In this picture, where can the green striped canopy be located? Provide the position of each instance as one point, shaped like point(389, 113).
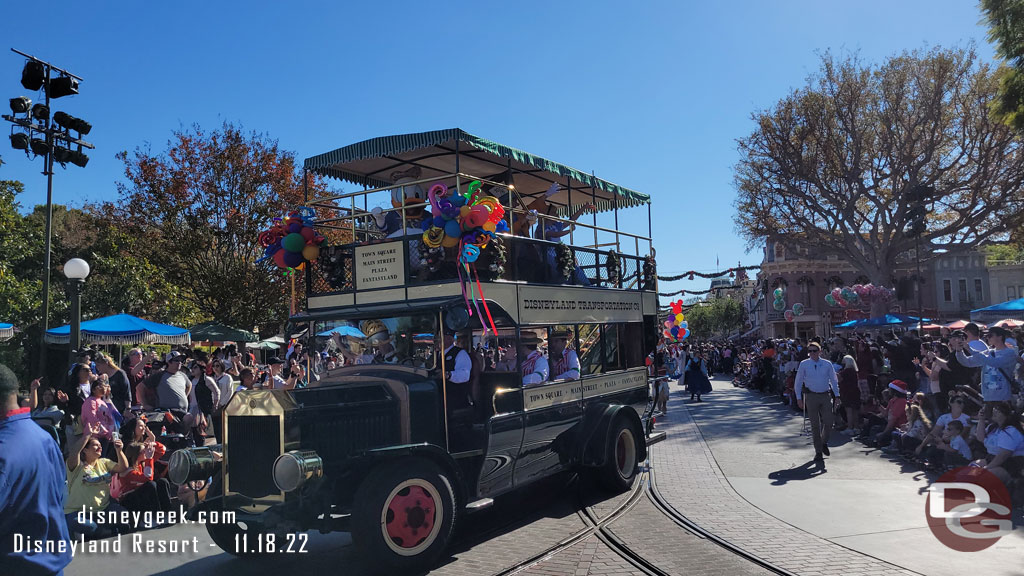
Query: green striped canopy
point(371, 162)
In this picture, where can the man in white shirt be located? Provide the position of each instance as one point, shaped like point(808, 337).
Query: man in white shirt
point(564, 363)
point(814, 379)
point(457, 363)
point(535, 365)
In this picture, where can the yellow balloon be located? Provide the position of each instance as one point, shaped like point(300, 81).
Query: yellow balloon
point(679, 318)
point(432, 238)
point(489, 226)
point(311, 253)
point(450, 241)
point(463, 211)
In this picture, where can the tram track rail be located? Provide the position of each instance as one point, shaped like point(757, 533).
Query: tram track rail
point(597, 526)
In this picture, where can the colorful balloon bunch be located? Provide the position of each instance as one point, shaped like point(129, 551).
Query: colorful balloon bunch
point(780, 299)
point(792, 313)
point(857, 294)
point(292, 241)
point(468, 220)
point(676, 327)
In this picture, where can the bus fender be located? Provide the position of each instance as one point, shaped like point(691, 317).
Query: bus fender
point(436, 454)
point(598, 430)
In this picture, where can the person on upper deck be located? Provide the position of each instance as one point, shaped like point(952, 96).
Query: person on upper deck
point(553, 230)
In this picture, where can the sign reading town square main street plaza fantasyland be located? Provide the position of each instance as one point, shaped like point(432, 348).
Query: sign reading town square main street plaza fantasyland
point(380, 265)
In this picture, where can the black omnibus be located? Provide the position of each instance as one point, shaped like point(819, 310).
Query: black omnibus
point(428, 394)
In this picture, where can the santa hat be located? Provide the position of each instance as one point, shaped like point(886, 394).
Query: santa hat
point(899, 386)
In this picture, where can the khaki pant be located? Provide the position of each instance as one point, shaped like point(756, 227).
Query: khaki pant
point(819, 410)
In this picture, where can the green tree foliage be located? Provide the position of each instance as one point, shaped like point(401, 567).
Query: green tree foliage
point(198, 207)
point(1006, 30)
point(832, 163)
point(20, 277)
point(718, 317)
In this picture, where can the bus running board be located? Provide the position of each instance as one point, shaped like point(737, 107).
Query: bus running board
point(481, 504)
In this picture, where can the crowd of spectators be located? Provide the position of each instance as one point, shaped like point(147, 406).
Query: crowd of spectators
point(935, 401)
point(99, 440)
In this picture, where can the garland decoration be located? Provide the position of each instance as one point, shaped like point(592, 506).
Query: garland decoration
point(650, 272)
point(689, 275)
point(564, 261)
point(614, 267)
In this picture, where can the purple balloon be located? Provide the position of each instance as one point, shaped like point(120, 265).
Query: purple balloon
point(293, 259)
point(295, 228)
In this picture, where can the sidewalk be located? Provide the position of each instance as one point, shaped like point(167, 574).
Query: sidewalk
point(736, 465)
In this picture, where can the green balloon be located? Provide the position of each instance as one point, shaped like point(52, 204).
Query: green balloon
point(293, 242)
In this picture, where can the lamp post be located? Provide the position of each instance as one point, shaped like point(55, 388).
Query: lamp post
point(59, 134)
point(76, 271)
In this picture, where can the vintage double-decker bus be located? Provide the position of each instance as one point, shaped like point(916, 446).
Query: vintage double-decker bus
point(435, 386)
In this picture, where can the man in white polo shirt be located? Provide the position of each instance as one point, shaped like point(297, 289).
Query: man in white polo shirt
point(814, 379)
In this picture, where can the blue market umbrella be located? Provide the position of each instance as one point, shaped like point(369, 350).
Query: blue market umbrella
point(880, 321)
point(1014, 309)
point(123, 329)
point(343, 331)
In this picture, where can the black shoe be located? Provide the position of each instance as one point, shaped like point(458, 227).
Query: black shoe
point(698, 399)
point(824, 450)
point(691, 397)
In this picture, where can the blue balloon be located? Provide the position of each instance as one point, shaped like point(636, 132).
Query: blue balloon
point(426, 224)
point(439, 222)
point(452, 228)
point(272, 249)
point(675, 330)
point(501, 226)
point(458, 200)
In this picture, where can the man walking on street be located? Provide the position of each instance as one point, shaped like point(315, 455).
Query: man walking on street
point(814, 378)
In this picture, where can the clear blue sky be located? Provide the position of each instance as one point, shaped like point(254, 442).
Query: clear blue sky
point(649, 95)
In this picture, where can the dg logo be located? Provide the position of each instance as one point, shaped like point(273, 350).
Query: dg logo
point(968, 509)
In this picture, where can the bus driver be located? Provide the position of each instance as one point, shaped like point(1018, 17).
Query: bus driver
point(535, 365)
point(565, 364)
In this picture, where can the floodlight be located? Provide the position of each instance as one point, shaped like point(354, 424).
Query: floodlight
point(77, 158)
point(63, 86)
point(33, 75)
point(40, 147)
point(21, 104)
point(19, 141)
point(69, 122)
point(41, 112)
point(61, 155)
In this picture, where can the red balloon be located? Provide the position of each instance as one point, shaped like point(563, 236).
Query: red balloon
point(308, 233)
point(279, 259)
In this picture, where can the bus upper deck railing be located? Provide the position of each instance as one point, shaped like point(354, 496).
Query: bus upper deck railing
point(507, 258)
point(614, 259)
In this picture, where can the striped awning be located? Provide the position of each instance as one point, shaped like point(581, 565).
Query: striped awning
point(370, 163)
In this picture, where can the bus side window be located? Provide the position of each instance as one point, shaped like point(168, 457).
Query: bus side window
point(633, 344)
point(613, 354)
point(590, 349)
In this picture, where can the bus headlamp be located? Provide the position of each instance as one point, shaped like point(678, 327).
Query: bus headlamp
point(293, 469)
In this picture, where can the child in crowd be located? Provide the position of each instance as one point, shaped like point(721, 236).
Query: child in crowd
point(916, 430)
point(952, 450)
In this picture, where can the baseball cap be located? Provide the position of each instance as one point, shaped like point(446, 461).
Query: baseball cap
point(173, 356)
point(275, 360)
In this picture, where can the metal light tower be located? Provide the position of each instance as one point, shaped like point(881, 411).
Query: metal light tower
point(31, 121)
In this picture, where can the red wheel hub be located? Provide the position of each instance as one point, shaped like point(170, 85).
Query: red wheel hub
point(410, 516)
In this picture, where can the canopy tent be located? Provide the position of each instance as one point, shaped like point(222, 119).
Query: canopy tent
point(263, 345)
point(882, 321)
point(123, 329)
point(1009, 323)
point(216, 332)
point(6, 331)
point(343, 330)
point(959, 325)
point(370, 162)
point(932, 327)
point(1013, 309)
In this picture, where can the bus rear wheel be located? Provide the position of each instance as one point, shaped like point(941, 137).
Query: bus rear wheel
point(621, 458)
point(404, 515)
